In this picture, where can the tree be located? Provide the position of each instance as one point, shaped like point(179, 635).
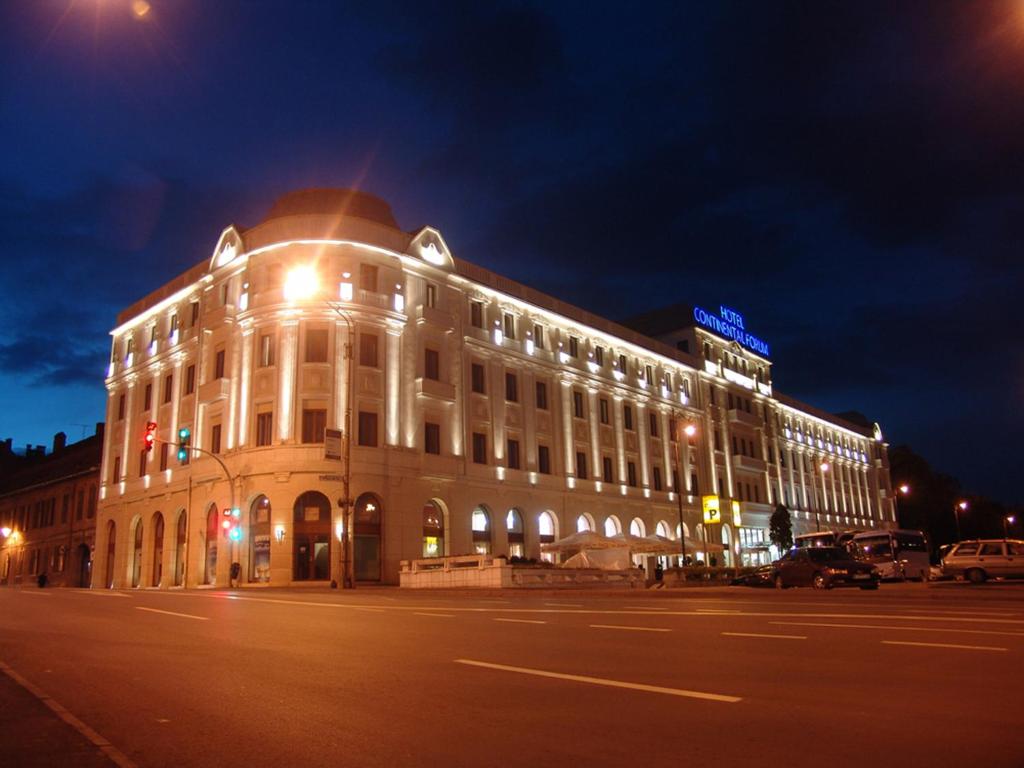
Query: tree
point(780, 528)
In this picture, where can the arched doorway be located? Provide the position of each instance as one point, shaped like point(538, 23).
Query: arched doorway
point(84, 555)
point(210, 544)
point(158, 549)
point(433, 529)
point(137, 555)
point(179, 549)
point(111, 544)
point(547, 532)
point(481, 525)
point(516, 538)
point(367, 537)
point(259, 540)
point(312, 548)
point(612, 526)
point(727, 541)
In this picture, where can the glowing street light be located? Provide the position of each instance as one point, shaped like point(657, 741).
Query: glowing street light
point(901, 490)
point(1008, 521)
point(301, 283)
point(961, 506)
point(689, 430)
point(5, 531)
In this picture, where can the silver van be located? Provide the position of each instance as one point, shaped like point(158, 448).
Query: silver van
point(983, 559)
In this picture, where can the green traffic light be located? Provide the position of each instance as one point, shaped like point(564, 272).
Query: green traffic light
point(183, 433)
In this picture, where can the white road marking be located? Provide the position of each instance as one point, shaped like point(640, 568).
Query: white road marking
point(522, 621)
point(444, 615)
point(172, 613)
point(372, 610)
point(645, 607)
point(99, 592)
point(911, 629)
point(604, 682)
point(946, 645)
point(33, 592)
point(632, 629)
point(565, 605)
point(756, 634)
point(718, 611)
point(116, 756)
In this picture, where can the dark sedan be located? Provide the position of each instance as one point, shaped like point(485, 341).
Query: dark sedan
point(824, 568)
point(759, 577)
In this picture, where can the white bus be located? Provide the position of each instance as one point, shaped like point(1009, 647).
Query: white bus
point(824, 539)
point(898, 554)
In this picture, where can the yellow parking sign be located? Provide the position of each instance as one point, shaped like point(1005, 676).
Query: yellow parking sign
point(712, 509)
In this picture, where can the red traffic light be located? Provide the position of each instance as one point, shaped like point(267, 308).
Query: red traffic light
point(149, 438)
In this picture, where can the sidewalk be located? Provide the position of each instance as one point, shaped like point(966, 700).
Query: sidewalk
point(34, 736)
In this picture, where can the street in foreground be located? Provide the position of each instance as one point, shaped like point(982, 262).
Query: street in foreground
point(911, 675)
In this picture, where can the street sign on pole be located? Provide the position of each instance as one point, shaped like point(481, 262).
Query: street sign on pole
point(332, 444)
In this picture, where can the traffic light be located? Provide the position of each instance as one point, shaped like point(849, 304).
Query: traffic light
point(184, 437)
point(150, 436)
point(232, 524)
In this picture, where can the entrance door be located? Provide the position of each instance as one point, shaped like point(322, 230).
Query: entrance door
point(84, 565)
point(367, 538)
point(311, 556)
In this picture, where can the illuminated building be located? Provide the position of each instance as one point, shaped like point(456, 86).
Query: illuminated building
point(486, 416)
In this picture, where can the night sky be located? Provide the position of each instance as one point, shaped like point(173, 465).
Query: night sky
point(849, 176)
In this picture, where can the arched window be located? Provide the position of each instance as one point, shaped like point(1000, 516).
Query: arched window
point(727, 541)
point(546, 533)
point(158, 549)
point(637, 527)
point(433, 529)
point(179, 549)
point(584, 523)
point(368, 515)
point(481, 523)
point(259, 540)
point(663, 530)
point(212, 532)
point(612, 526)
point(311, 548)
point(516, 539)
point(111, 545)
point(137, 555)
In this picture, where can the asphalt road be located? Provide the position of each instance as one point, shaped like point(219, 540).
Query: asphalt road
point(909, 676)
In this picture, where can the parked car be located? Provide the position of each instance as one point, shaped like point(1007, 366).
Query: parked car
point(982, 559)
point(824, 568)
point(759, 577)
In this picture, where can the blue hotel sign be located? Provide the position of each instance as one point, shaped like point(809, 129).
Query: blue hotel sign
point(729, 323)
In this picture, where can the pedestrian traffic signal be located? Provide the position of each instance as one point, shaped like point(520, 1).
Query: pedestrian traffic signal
point(184, 437)
point(232, 524)
point(150, 436)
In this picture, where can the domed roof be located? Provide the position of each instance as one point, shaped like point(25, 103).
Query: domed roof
point(333, 202)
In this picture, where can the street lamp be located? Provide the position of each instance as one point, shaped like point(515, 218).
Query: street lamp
point(1007, 521)
point(901, 490)
point(5, 531)
point(824, 467)
point(961, 506)
point(302, 283)
point(689, 431)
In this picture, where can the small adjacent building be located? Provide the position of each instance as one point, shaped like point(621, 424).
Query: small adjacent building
point(48, 506)
point(484, 417)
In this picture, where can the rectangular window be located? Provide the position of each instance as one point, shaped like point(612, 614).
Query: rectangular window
point(675, 480)
point(164, 449)
point(174, 325)
point(653, 419)
point(623, 368)
point(574, 347)
point(627, 416)
point(431, 300)
point(143, 456)
point(432, 438)
point(218, 364)
point(606, 469)
point(673, 427)
point(116, 475)
point(510, 325)
point(603, 409)
point(120, 407)
point(316, 345)
point(477, 378)
point(656, 472)
point(147, 397)
point(479, 448)
point(476, 314)
point(431, 364)
point(215, 438)
point(599, 355)
point(538, 335)
point(264, 428)
point(581, 465)
point(542, 396)
point(368, 429)
point(648, 374)
point(266, 350)
point(190, 380)
point(168, 387)
point(368, 277)
point(631, 473)
point(513, 454)
point(718, 440)
point(543, 460)
point(195, 314)
point(577, 404)
point(314, 423)
point(368, 349)
point(511, 387)
point(65, 505)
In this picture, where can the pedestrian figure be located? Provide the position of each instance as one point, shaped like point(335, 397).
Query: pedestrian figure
point(714, 561)
point(659, 572)
point(236, 570)
point(42, 579)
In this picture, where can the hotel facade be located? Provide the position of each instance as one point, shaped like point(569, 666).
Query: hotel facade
point(485, 417)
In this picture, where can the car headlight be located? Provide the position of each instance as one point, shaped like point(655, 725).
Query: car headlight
point(836, 570)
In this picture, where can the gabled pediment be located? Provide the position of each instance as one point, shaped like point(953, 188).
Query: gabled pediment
point(431, 247)
point(229, 247)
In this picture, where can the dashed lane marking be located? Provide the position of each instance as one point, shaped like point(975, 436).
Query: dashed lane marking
point(521, 621)
point(757, 634)
point(910, 629)
point(443, 615)
point(173, 613)
point(117, 756)
point(603, 681)
point(632, 629)
point(946, 645)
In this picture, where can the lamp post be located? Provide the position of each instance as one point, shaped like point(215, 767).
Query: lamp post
point(823, 466)
point(688, 431)
point(1008, 520)
point(961, 506)
point(901, 490)
point(302, 283)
